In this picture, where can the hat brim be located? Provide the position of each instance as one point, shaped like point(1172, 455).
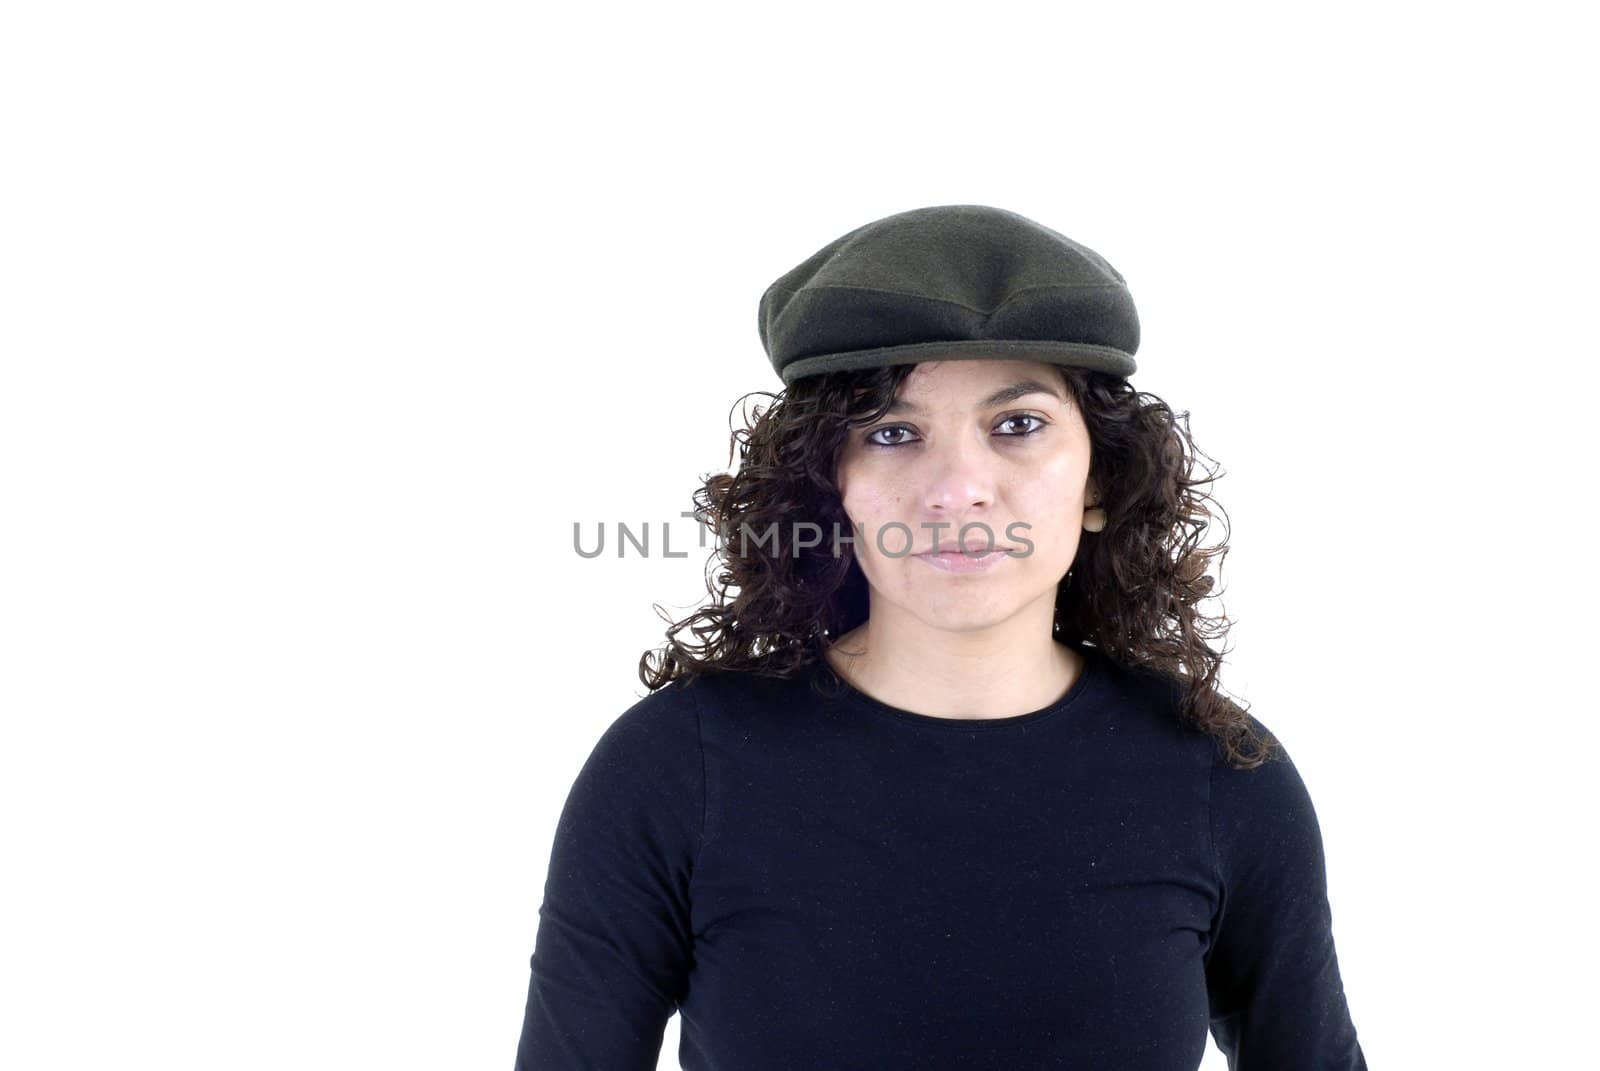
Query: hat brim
point(1075, 354)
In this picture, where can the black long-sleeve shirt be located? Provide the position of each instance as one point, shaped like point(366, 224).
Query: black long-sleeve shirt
point(835, 884)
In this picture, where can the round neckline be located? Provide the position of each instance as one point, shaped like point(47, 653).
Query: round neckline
point(850, 693)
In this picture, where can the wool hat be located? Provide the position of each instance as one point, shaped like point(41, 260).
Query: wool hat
point(949, 282)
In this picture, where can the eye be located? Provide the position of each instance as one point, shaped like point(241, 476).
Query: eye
point(899, 434)
point(892, 429)
point(1012, 420)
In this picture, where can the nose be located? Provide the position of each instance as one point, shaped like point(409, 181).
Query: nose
point(961, 477)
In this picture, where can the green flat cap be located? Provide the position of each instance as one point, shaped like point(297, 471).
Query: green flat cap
point(949, 282)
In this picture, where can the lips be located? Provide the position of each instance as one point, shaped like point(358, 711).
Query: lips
point(961, 562)
point(977, 551)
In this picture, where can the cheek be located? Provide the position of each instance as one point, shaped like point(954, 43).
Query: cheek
point(868, 500)
point(1066, 472)
point(872, 507)
point(1053, 507)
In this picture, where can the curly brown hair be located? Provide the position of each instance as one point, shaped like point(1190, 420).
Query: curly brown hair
point(1134, 590)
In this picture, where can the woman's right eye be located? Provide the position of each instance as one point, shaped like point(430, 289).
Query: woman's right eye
point(873, 440)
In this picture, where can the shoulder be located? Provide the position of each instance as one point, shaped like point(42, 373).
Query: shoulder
point(643, 778)
point(1263, 817)
point(660, 723)
point(677, 718)
point(1141, 687)
point(1145, 708)
point(1274, 783)
point(651, 749)
point(739, 698)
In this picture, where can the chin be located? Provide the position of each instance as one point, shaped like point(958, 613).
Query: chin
point(966, 618)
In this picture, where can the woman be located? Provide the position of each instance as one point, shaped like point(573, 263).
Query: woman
point(946, 779)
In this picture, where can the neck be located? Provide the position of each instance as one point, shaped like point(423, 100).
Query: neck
point(1009, 668)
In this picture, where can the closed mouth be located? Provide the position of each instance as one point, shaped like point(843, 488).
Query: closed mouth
point(971, 553)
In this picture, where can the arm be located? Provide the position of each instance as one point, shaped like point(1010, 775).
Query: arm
point(614, 947)
point(1277, 1000)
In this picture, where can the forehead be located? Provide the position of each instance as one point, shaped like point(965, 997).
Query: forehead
point(977, 383)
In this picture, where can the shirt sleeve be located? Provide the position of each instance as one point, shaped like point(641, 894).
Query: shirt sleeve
point(614, 947)
point(1277, 1002)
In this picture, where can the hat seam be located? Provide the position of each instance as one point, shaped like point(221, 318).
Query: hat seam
point(940, 343)
point(947, 345)
point(947, 301)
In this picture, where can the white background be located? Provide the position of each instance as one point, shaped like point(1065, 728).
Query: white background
point(322, 324)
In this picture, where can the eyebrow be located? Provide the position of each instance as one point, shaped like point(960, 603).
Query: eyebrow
point(999, 397)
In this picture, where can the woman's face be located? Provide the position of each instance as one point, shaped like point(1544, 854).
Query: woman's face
point(971, 442)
